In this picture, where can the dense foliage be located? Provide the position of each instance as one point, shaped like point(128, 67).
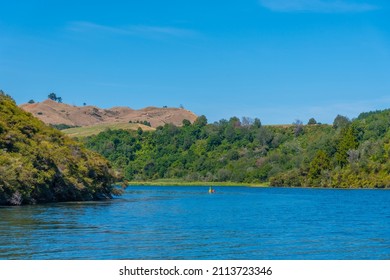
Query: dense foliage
point(63, 126)
point(347, 154)
point(39, 164)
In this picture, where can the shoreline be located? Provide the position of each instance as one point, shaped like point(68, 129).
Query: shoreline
point(174, 183)
point(168, 183)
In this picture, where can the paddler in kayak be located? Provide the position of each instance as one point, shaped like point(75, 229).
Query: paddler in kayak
point(211, 190)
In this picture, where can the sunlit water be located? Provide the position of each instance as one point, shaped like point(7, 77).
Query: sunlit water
point(189, 223)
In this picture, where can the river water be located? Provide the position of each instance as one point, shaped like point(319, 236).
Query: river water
point(189, 223)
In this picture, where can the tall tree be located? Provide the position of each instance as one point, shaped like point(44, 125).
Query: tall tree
point(201, 121)
point(348, 141)
point(341, 122)
point(320, 163)
point(312, 121)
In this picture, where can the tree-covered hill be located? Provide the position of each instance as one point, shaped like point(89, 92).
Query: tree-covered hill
point(40, 164)
point(345, 154)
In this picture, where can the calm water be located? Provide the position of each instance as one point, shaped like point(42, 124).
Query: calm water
point(189, 223)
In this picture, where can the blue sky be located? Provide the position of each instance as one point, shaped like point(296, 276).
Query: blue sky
point(278, 60)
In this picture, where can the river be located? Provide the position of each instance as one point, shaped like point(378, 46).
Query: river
point(189, 223)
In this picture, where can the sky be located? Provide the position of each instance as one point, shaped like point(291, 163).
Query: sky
point(277, 60)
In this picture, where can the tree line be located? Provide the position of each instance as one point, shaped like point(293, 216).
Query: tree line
point(346, 154)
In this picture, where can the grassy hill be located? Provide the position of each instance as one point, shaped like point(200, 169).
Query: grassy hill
point(40, 164)
point(55, 113)
point(85, 131)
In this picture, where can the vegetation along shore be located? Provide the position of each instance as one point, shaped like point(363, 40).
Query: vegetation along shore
point(40, 164)
point(346, 154)
point(182, 183)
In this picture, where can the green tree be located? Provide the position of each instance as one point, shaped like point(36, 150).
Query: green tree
point(257, 123)
point(186, 122)
point(320, 163)
point(348, 141)
point(201, 121)
point(341, 122)
point(52, 96)
point(235, 122)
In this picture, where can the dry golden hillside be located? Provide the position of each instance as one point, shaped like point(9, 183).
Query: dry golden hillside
point(52, 112)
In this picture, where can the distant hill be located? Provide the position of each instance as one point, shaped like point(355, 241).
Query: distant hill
point(40, 164)
point(52, 112)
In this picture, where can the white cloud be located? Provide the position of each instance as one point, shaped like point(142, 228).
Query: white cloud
point(317, 6)
point(132, 30)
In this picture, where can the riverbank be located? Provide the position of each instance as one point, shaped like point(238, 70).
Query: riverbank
point(170, 182)
point(179, 183)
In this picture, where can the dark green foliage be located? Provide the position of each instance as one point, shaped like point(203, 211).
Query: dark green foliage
point(186, 122)
point(312, 121)
point(62, 126)
point(201, 121)
point(39, 164)
point(224, 151)
point(347, 142)
point(318, 167)
point(54, 97)
point(341, 122)
point(257, 123)
point(141, 122)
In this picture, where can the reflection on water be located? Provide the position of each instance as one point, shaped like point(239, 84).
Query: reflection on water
point(189, 223)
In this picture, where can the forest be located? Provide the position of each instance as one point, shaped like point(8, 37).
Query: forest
point(347, 154)
point(40, 164)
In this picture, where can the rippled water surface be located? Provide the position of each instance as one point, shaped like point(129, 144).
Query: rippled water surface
point(189, 223)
